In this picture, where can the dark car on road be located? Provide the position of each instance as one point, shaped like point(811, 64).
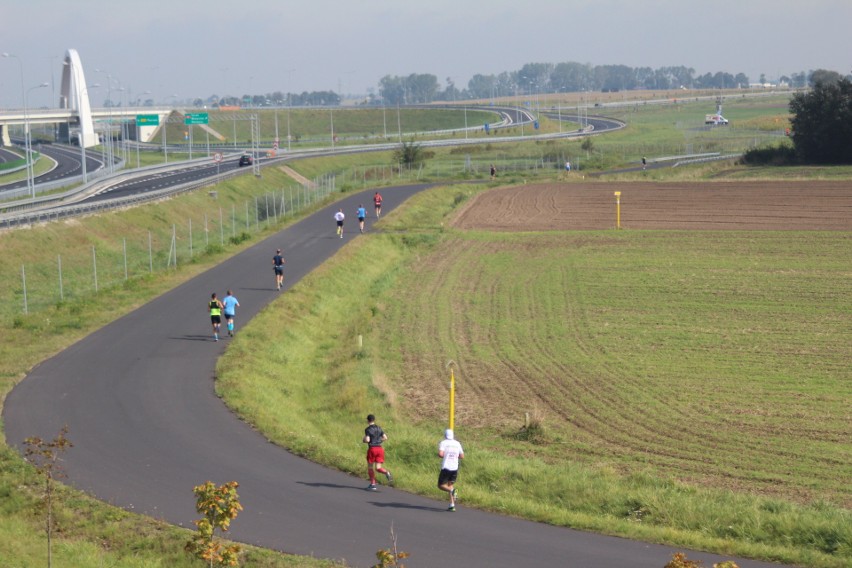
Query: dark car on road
point(246, 160)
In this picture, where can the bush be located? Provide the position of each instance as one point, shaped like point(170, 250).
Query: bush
point(772, 156)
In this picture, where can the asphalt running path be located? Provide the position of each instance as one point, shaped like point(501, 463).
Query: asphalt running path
point(147, 427)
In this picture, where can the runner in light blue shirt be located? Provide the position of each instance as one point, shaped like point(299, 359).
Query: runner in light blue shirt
point(230, 302)
point(362, 213)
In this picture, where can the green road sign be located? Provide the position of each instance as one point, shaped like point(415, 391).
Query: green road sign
point(148, 119)
point(196, 118)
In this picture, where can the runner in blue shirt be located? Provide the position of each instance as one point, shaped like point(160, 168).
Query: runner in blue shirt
point(362, 214)
point(230, 302)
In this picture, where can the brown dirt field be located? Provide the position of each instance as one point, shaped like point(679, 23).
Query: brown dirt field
point(747, 205)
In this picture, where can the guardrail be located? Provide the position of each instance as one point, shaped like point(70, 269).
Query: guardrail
point(104, 180)
point(56, 213)
point(707, 159)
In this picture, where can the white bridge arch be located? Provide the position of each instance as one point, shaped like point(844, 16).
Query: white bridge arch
point(74, 95)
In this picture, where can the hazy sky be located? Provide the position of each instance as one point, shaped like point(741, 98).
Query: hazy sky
point(196, 48)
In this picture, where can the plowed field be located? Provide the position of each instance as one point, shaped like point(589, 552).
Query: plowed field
point(813, 205)
point(710, 349)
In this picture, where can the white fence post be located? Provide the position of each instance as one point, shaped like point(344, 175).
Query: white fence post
point(95, 267)
point(24, 282)
point(61, 291)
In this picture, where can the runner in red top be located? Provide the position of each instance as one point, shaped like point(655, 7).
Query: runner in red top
point(377, 201)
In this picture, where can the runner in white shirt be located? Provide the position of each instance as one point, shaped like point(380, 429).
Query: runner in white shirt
point(450, 451)
point(339, 217)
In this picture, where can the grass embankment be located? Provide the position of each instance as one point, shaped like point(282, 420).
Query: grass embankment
point(661, 131)
point(310, 127)
point(41, 164)
point(683, 387)
point(88, 532)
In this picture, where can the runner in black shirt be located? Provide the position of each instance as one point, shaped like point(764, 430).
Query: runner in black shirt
point(373, 437)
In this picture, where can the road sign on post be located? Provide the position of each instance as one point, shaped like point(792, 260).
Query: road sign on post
point(196, 118)
point(147, 119)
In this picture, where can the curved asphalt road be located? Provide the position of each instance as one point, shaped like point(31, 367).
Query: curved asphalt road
point(147, 426)
point(67, 160)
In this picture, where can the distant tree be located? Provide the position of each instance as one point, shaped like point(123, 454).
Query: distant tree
point(451, 93)
point(615, 77)
point(799, 80)
point(822, 123)
point(482, 86)
point(645, 78)
point(409, 153)
point(535, 76)
point(422, 88)
point(571, 76)
point(824, 76)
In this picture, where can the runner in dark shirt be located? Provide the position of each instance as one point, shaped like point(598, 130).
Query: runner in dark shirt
point(278, 267)
point(373, 437)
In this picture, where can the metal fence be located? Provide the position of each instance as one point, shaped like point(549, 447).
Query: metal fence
point(77, 275)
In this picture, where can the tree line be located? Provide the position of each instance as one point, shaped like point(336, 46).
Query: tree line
point(531, 78)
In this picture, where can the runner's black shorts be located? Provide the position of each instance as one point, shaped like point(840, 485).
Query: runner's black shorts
point(447, 477)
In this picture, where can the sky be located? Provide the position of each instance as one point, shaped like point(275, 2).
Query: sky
point(195, 48)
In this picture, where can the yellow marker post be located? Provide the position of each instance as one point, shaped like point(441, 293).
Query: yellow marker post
point(617, 209)
point(451, 364)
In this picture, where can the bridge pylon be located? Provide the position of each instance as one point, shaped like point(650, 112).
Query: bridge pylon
point(75, 95)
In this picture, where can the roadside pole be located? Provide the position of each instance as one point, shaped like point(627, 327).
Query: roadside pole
point(617, 209)
point(451, 364)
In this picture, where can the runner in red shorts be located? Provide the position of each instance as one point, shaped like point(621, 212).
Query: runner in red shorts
point(373, 437)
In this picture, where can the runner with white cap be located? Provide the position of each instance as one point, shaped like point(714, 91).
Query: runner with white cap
point(450, 451)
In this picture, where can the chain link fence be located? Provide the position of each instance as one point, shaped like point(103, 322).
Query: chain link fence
point(76, 275)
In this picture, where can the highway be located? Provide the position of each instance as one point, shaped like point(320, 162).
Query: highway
point(67, 160)
point(144, 183)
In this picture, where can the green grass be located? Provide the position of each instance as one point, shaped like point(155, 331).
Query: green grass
point(691, 390)
point(41, 164)
point(312, 127)
point(657, 131)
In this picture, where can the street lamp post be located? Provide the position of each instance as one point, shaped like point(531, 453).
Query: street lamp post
point(522, 115)
point(289, 86)
point(106, 145)
point(331, 114)
point(165, 131)
point(465, 121)
point(28, 140)
point(82, 138)
point(24, 102)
